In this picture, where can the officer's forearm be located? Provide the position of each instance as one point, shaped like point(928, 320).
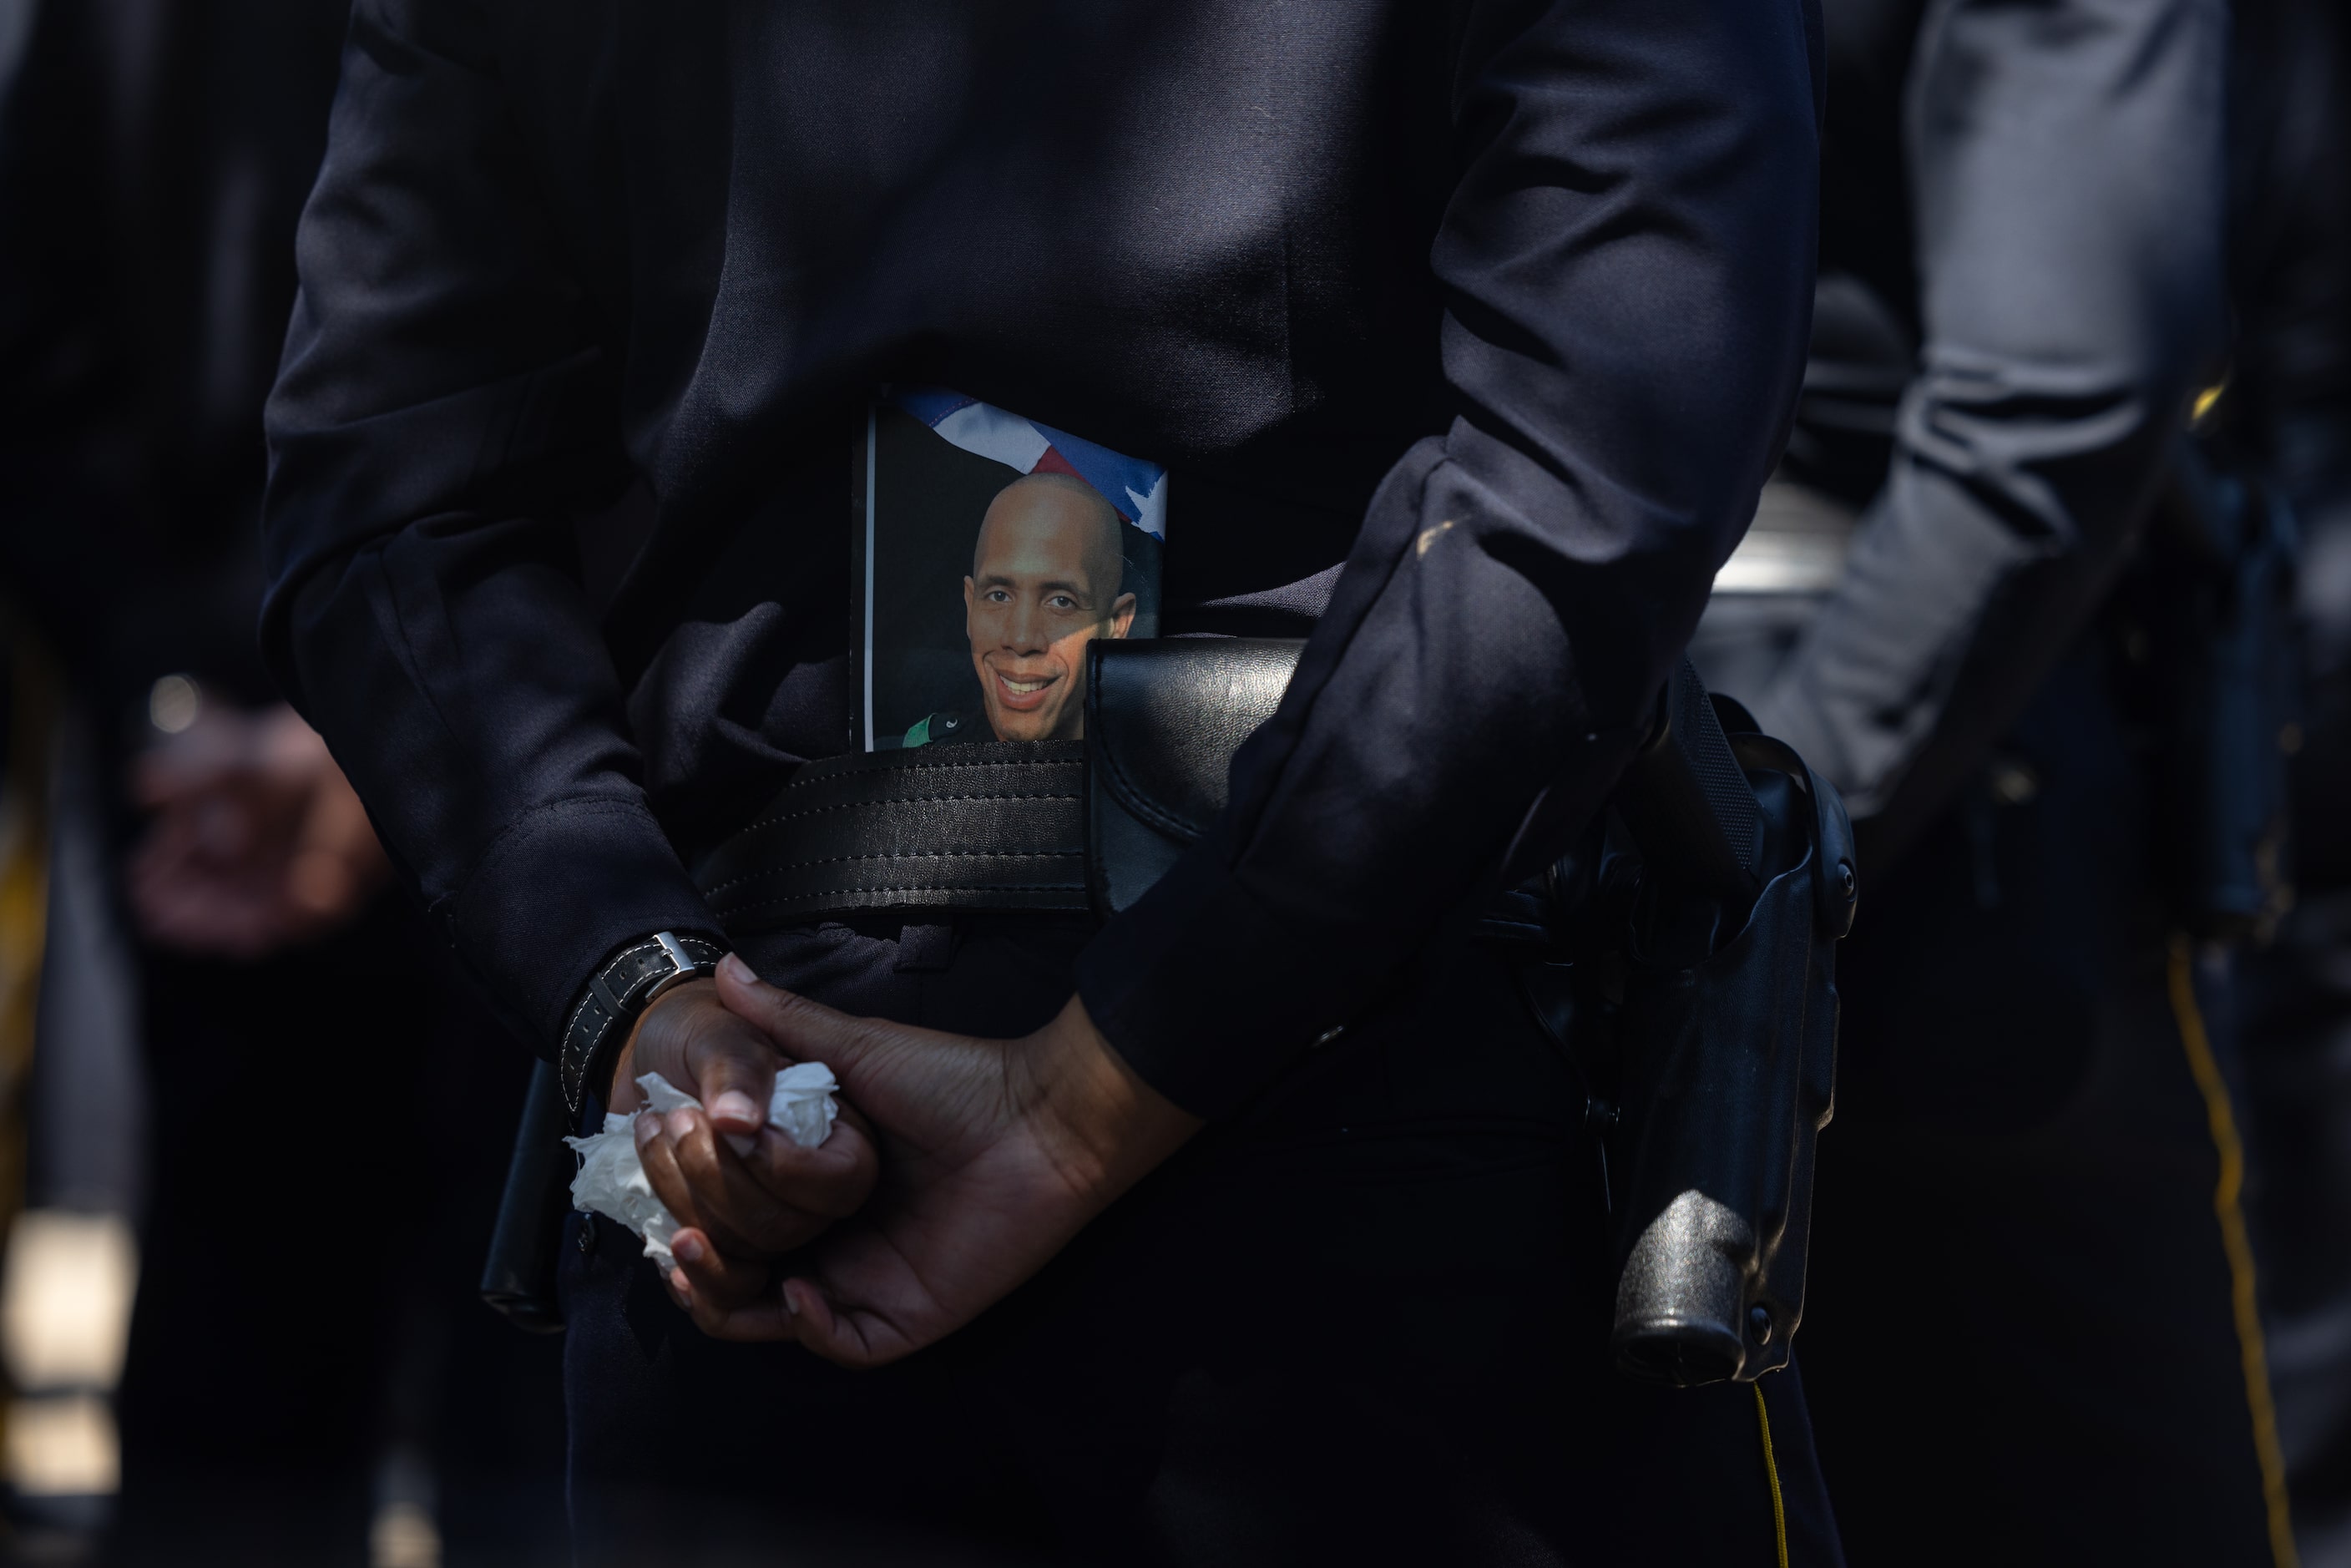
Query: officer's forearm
point(2072, 307)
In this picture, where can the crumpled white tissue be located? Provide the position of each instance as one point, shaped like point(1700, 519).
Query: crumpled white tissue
point(612, 1180)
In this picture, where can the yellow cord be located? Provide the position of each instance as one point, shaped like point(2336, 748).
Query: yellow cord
point(2236, 1244)
point(1771, 1474)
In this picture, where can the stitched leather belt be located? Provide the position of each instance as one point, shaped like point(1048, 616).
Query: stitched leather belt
point(936, 830)
point(1041, 827)
point(1037, 827)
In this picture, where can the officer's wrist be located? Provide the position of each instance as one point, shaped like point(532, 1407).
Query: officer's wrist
point(616, 998)
point(1103, 1124)
point(620, 1065)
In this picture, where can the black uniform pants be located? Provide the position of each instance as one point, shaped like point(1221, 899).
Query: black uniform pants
point(1364, 1323)
point(2021, 1333)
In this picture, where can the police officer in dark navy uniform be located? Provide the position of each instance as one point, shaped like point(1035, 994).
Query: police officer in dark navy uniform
point(2025, 1340)
point(1261, 1222)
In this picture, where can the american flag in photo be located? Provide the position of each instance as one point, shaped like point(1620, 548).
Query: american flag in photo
point(1136, 489)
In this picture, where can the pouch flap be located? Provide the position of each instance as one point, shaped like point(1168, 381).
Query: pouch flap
point(1164, 715)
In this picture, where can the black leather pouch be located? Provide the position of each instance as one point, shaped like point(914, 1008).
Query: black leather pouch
point(518, 1277)
point(1164, 719)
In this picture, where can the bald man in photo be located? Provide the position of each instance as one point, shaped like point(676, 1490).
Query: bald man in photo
point(1046, 576)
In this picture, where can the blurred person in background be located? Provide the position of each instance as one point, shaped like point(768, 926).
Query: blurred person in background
point(2030, 1332)
point(2285, 421)
point(305, 1299)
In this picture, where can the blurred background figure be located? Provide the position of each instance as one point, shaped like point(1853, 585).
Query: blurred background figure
point(2285, 421)
point(2038, 634)
point(244, 1046)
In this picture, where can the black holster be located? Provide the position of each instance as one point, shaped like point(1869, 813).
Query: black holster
point(1725, 1048)
point(518, 1277)
point(2220, 562)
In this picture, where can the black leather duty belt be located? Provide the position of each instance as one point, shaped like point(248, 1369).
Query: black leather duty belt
point(1036, 827)
point(990, 826)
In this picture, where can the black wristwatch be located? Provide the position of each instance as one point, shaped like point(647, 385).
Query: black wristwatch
point(618, 993)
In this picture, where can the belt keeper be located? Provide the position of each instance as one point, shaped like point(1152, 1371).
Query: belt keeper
point(604, 996)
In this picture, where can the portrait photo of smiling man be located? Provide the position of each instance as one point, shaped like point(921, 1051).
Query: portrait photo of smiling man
point(1047, 577)
point(1050, 539)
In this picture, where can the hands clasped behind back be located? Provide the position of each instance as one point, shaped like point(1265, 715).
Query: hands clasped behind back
point(743, 1193)
point(998, 1151)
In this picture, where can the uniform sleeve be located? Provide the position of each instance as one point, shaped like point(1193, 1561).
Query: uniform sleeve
point(1627, 260)
point(2071, 306)
point(443, 407)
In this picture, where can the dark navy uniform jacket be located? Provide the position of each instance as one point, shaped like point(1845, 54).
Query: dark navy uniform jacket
point(1500, 304)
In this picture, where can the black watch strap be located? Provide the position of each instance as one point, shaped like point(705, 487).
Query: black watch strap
point(621, 991)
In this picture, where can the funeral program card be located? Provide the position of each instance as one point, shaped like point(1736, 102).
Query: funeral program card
point(991, 549)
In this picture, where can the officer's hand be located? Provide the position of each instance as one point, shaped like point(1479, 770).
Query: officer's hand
point(999, 1152)
point(744, 1194)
